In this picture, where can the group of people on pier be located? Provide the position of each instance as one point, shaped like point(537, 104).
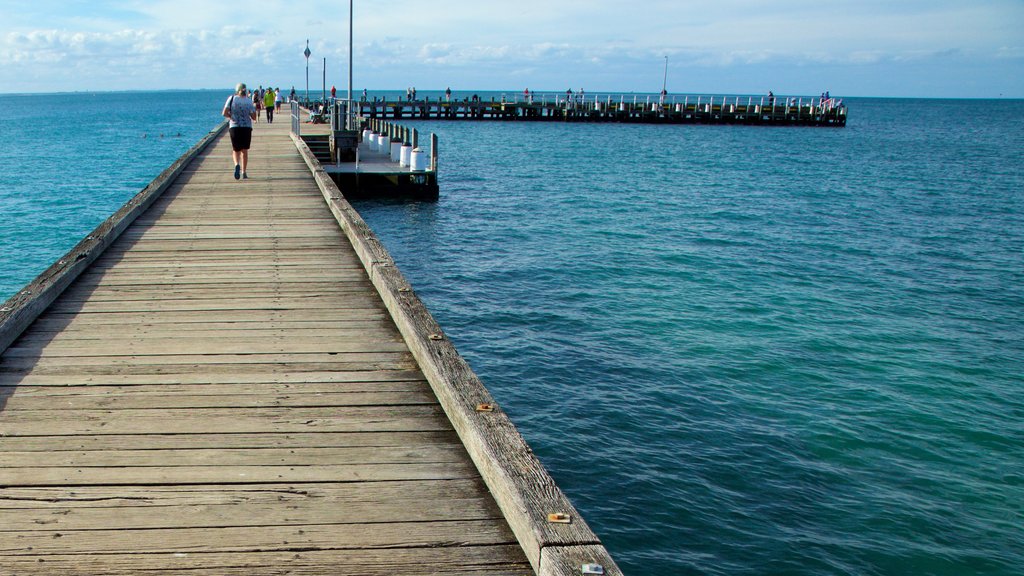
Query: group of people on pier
point(268, 100)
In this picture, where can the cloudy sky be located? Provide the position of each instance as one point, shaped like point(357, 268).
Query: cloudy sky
point(940, 48)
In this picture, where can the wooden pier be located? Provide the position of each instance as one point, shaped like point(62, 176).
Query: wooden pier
point(233, 378)
point(747, 110)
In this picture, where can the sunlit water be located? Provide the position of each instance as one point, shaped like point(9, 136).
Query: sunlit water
point(738, 350)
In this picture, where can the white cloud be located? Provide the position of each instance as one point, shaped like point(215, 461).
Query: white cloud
point(202, 44)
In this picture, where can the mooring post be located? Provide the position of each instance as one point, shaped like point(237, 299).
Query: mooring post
point(433, 152)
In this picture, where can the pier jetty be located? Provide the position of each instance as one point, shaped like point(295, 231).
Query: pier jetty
point(747, 110)
point(233, 378)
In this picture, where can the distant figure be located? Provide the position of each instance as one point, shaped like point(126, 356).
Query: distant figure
point(268, 103)
point(240, 112)
point(364, 94)
point(278, 99)
point(771, 98)
point(413, 92)
point(526, 96)
point(334, 92)
point(293, 97)
point(664, 94)
point(257, 101)
point(448, 94)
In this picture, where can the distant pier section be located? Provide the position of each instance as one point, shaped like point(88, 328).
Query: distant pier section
point(749, 110)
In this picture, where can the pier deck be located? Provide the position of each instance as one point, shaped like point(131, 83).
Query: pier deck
point(223, 391)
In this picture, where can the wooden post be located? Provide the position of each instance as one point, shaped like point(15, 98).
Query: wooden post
point(433, 152)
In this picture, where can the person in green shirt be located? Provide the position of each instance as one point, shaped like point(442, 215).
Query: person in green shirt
point(268, 103)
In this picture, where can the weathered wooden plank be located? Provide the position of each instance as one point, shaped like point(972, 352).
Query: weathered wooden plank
point(185, 276)
point(477, 560)
point(234, 457)
point(563, 560)
point(322, 439)
point(200, 317)
point(260, 364)
point(224, 420)
point(371, 329)
point(211, 396)
point(146, 508)
point(144, 475)
point(380, 534)
point(250, 376)
point(187, 246)
point(201, 346)
point(56, 499)
point(203, 299)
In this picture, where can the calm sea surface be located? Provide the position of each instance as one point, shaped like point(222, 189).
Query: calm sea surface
point(738, 350)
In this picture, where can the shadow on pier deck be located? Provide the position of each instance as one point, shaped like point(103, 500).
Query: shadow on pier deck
point(231, 377)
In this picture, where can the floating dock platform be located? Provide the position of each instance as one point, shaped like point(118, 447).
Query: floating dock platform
point(375, 159)
point(233, 378)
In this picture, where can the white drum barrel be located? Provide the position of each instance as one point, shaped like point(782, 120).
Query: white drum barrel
point(418, 161)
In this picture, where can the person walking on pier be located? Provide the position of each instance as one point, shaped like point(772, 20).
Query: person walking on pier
point(257, 102)
point(268, 103)
point(241, 112)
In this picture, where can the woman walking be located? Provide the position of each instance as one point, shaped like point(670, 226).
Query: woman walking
point(239, 110)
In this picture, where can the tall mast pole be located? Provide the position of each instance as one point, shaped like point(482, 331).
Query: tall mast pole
point(664, 84)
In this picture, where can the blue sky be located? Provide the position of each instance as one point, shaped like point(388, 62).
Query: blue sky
point(937, 48)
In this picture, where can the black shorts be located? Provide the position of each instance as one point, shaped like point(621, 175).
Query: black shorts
point(241, 138)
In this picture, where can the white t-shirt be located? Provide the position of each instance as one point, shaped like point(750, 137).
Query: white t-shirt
point(242, 110)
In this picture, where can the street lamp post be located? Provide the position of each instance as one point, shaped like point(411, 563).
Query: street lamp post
point(307, 53)
point(348, 105)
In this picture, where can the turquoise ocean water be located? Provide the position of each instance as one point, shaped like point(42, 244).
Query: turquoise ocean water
point(738, 350)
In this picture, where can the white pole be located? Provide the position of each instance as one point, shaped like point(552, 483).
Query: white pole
point(348, 105)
